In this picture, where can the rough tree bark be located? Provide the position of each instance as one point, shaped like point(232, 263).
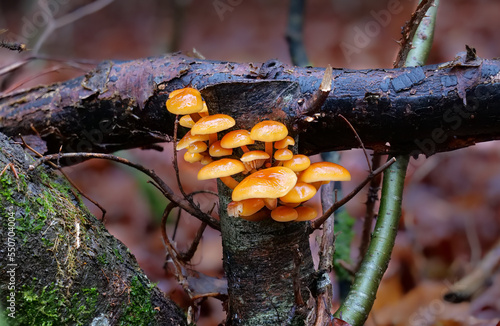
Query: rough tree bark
point(60, 263)
point(121, 105)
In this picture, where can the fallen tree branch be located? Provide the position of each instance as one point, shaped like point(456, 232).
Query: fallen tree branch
point(122, 104)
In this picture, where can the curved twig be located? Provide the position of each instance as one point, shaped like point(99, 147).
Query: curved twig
point(212, 222)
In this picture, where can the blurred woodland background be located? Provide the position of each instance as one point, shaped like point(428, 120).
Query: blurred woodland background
point(451, 204)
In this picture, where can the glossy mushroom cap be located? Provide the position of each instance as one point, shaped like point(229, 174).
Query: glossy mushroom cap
point(192, 157)
point(188, 139)
point(324, 171)
point(298, 163)
point(284, 214)
point(254, 155)
point(186, 121)
point(222, 168)
point(274, 182)
point(245, 207)
point(254, 159)
point(236, 138)
point(283, 154)
point(216, 150)
point(185, 101)
point(197, 147)
point(300, 192)
point(305, 213)
point(268, 131)
point(284, 143)
point(212, 124)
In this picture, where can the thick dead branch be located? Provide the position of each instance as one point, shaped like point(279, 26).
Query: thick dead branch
point(121, 104)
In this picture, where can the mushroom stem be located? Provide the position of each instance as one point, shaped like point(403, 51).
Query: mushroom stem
point(195, 117)
point(212, 138)
point(244, 148)
point(269, 150)
point(229, 181)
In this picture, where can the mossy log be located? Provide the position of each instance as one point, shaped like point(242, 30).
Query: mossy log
point(59, 265)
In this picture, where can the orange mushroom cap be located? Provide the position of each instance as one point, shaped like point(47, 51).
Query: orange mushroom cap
point(269, 131)
point(184, 101)
point(236, 138)
point(273, 182)
point(216, 150)
point(284, 214)
point(222, 168)
point(254, 155)
point(298, 163)
point(284, 143)
point(283, 154)
point(206, 160)
point(192, 157)
point(186, 121)
point(324, 171)
point(197, 147)
point(245, 207)
point(300, 192)
point(212, 124)
point(305, 213)
point(189, 139)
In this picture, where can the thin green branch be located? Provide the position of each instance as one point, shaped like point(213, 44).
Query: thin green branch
point(359, 301)
point(357, 305)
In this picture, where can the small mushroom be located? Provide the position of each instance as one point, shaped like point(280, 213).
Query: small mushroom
point(284, 143)
point(268, 132)
point(189, 139)
point(185, 101)
point(254, 160)
point(216, 150)
point(321, 172)
point(245, 207)
point(222, 169)
point(192, 157)
point(305, 213)
point(301, 192)
point(283, 155)
point(237, 138)
point(284, 214)
point(197, 147)
point(298, 163)
point(211, 125)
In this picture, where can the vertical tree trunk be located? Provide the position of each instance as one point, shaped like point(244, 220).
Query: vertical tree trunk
point(259, 263)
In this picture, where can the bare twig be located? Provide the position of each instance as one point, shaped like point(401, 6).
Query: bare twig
point(325, 265)
point(316, 224)
point(172, 251)
point(181, 202)
point(360, 142)
point(69, 180)
point(68, 19)
point(186, 256)
point(409, 31)
point(475, 282)
point(371, 200)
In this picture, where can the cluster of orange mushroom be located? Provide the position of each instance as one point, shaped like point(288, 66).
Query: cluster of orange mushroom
point(279, 182)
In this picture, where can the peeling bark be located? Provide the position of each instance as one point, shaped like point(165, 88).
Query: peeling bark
point(121, 104)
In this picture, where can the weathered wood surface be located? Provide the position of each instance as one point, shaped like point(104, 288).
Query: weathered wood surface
point(121, 104)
